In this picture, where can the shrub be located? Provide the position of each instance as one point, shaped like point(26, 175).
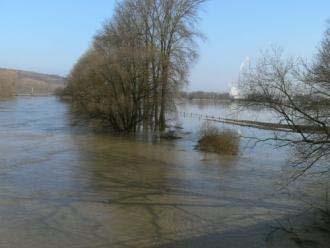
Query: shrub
point(224, 142)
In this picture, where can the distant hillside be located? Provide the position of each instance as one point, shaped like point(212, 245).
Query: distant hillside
point(17, 82)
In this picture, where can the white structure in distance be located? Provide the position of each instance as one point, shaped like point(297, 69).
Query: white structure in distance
point(235, 92)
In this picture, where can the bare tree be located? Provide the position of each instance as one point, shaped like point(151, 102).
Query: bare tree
point(138, 62)
point(176, 26)
point(300, 96)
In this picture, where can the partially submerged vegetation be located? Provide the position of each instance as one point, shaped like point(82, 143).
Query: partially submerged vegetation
point(220, 141)
point(137, 63)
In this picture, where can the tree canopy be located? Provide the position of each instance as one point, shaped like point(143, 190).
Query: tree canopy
point(137, 63)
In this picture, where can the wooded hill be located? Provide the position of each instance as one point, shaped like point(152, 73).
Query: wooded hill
point(17, 82)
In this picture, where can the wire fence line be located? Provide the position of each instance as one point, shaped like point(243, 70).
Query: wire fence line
point(244, 123)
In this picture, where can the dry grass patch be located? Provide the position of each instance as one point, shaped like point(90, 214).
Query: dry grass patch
point(213, 139)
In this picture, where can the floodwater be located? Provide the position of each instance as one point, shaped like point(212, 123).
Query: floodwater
point(64, 185)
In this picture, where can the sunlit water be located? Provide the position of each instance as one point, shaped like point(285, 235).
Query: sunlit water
point(63, 185)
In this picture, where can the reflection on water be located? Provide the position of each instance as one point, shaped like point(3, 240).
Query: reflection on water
point(63, 186)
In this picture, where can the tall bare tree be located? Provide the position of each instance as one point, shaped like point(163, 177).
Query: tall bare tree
point(138, 62)
point(300, 96)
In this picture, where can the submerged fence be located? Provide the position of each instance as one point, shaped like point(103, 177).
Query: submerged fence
point(244, 123)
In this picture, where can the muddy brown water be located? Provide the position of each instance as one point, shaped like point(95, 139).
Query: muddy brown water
point(62, 185)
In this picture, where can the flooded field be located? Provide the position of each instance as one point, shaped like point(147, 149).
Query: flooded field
point(63, 185)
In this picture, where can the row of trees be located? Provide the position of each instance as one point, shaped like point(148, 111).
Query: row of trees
point(202, 95)
point(137, 63)
point(299, 93)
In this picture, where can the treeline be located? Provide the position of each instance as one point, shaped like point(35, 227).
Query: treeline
point(137, 63)
point(202, 95)
point(312, 99)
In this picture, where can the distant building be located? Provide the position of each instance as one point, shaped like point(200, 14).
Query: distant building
point(235, 92)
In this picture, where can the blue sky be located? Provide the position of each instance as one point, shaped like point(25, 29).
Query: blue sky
point(49, 36)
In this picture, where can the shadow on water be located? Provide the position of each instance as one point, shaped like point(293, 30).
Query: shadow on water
point(62, 185)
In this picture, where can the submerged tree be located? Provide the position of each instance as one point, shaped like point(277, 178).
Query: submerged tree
point(300, 95)
point(137, 63)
